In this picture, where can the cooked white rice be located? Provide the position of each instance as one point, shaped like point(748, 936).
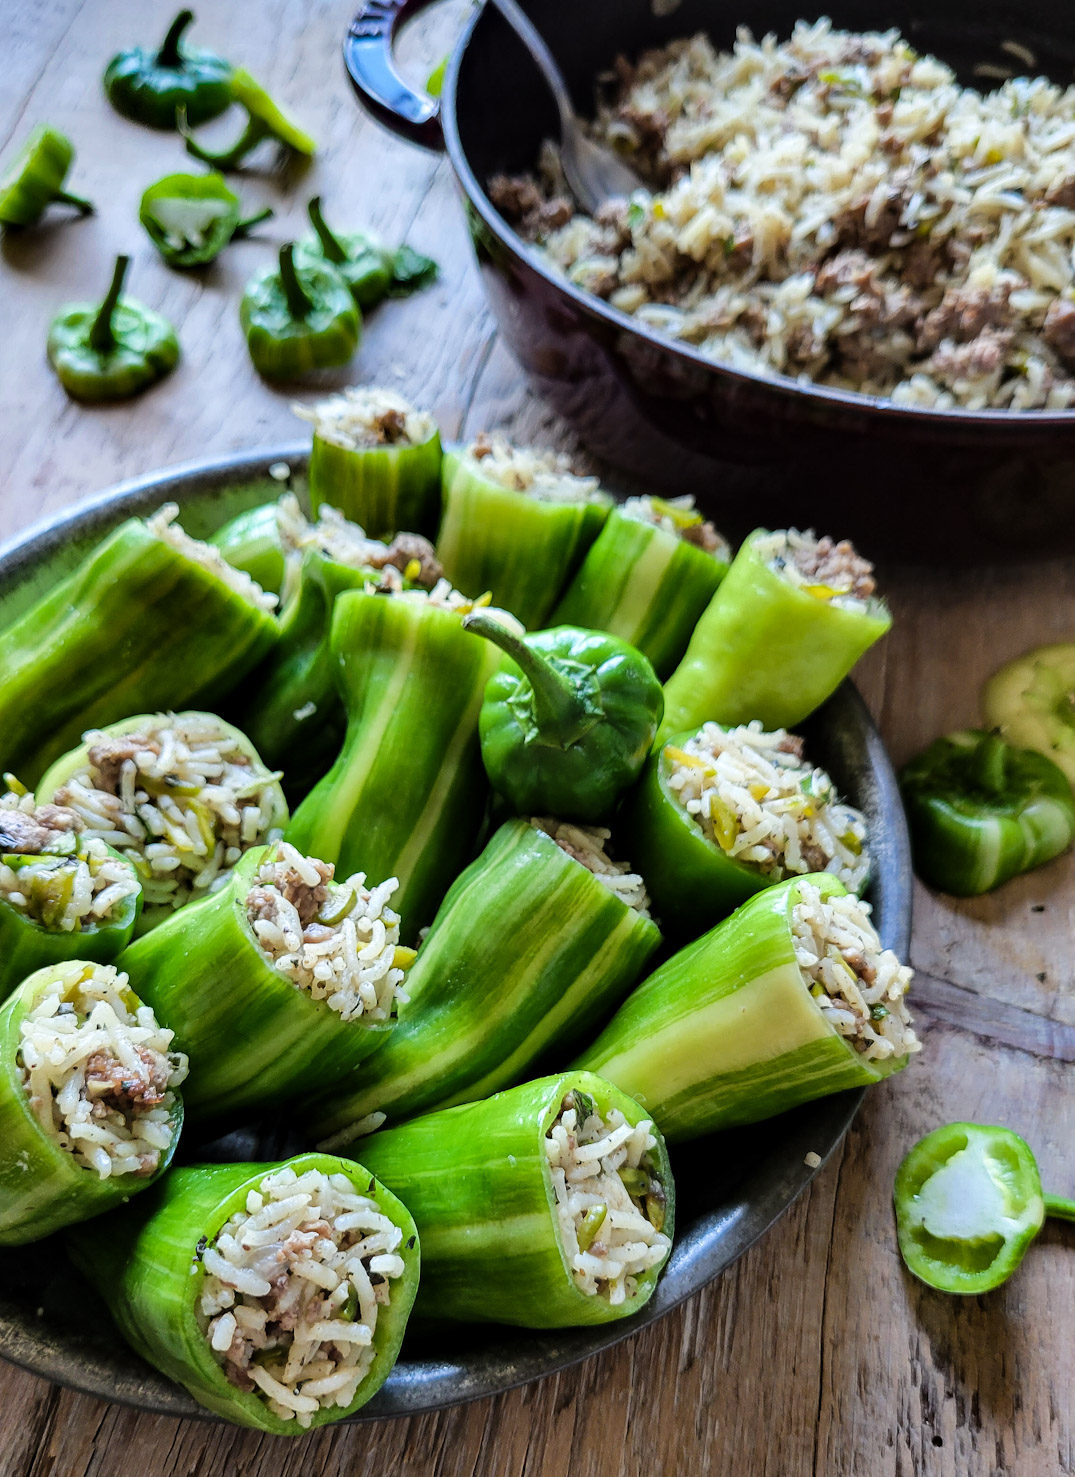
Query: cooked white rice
point(838, 209)
point(546, 476)
point(340, 944)
point(587, 844)
point(293, 1286)
point(755, 796)
point(100, 1076)
point(678, 516)
point(76, 883)
point(860, 987)
point(830, 571)
point(180, 798)
point(163, 526)
point(364, 417)
point(610, 1235)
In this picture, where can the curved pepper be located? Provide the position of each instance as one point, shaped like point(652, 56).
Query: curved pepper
point(520, 549)
point(981, 811)
point(968, 1203)
point(644, 584)
point(253, 1038)
point(407, 794)
point(146, 1263)
point(1031, 700)
point(384, 489)
point(766, 648)
point(151, 86)
point(111, 350)
point(527, 952)
point(190, 218)
point(472, 1172)
point(363, 263)
point(567, 722)
point(138, 627)
point(43, 1186)
point(251, 542)
point(264, 119)
point(298, 318)
point(34, 179)
point(726, 1032)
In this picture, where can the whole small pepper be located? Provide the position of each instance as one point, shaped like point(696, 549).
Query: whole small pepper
point(190, 218)
point(111, 350)
point(264, 119)
point(298, 317)
point(151, 86)
point(981, 811)
point(34, 180)
point(567, 723)
point(968, 1203)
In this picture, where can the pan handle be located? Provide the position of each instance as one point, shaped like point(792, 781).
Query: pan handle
point(367, 53)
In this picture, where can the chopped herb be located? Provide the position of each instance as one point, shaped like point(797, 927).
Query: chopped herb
point(636, 214)
point(878, 1012)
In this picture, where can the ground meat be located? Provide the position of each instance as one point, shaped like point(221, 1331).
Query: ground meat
point(814, 857)
point(112, 1085)
point(984, 356)
point(1059, 330)
point(702, 536)
point(791, 743)
point(1062, 193)
point(108, 757)
point(523, 206)
point(804, 346)
point(837, 565)
point(964, 313)
point(391, 426)
point(854, 229)
point(405, 549)
point(923, 261)
point(262, 901)
point(28, 835)
point(847, 269)
point(866, 971)
point(482, 446)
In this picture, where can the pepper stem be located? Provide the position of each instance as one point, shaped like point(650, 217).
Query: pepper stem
point(1059, 1209)
point(169, 54)
point(329, 244)
point(84, 207)
point(102, 339)
point(246, 226)
point(249, 139)
point(989, 764)
point(298, 300)
point(561, 713)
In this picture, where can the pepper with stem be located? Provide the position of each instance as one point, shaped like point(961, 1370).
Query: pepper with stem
point(111, 350)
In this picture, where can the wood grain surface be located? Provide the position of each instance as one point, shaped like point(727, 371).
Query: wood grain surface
point(816, 1354)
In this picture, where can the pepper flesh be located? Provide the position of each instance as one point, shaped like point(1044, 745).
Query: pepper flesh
point(567, 722)
point(968, 1203)
point(150, 85)
point(34, 179)
point(111, 350)
point(384, 489)
point(298, 317)
point(190, 218)
point(981, 811)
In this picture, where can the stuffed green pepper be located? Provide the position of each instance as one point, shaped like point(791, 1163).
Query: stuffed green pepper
point(252, 542)
point(550, 1205)
point(151, 619)
point(517, 523)
point(278, 1294)
point(791, 998)
point(278, 984)
point(791, 618)
point(183, 795)
point(90, 1110)
point(536, 942)
point(406, 796)
point(377, 459)
point(721, 813)
point(647, 578)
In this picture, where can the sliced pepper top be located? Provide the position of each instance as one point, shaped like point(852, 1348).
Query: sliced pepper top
point(34, 179)
point(111, 350)
point(153, 86)
point(300, 316)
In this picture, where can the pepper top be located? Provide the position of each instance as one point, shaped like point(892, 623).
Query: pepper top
point(34, 179)
point(113, 349)
point(298, 317)
point(151, 85)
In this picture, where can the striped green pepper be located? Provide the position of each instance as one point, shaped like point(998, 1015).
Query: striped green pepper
point(253, 1038)
point(478, 1183)
point(726, 1032)
point(251, 542)
point(139, 626)
point(384, 489)
point(147, 1264)
point(645, 584)
point(407, 794)
point(520, 549)
point(527, 952)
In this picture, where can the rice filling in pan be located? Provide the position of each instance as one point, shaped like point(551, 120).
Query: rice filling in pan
point(63, 891)
point(588, 846)
point(292, 1290)
point(609, 1204)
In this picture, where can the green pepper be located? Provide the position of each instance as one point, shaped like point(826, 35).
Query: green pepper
point(727, 1032)
point(969, 1202)
point(147, 1263)
point(151, 86)
point(1031, 700)
point(298, 317)
point(111, 350)
point(767, 648)
point(363, 263)
point(477, 1180)
point(567, 722)
point(644, 583)
point(527, 952)
point(264, 119)
point(981, 811)
point(42, 1185)
point(406, 796)
point(34, 179)
point(520, 548)
point(411, 271)
point(140, 625)
point(190, 218)
point(251, 542)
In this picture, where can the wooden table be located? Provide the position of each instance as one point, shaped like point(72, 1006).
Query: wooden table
point(816, 1353)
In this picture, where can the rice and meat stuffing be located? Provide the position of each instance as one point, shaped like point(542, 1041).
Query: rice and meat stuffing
point(64, 892)
point(830, 571)
point(756, 796)
point(408, 555)
point(588, 846)
point(835, 208)
point(547, 476)
point(609, 1204)
point(678, 516)
point(99, 1072)
point(292, 1289)
point(362, 418)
